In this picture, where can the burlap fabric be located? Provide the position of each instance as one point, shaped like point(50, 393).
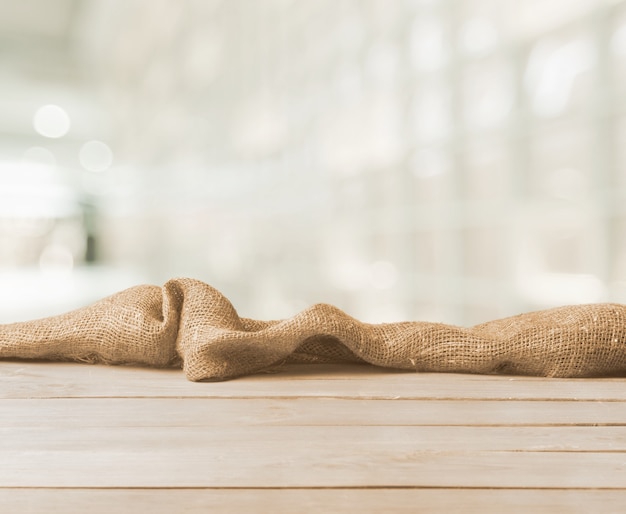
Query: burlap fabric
point(190, 324)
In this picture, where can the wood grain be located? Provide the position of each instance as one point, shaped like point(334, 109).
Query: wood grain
point(245, 465)
point(337, 501)
point(264, 441)
point(77, 438)
point(71, 380)
point(207, 412)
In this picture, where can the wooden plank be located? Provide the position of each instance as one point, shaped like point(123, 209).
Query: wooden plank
point(562, 457)
point(70, 380)
point(311, 431)
point(237, 467)
point(263, 441)
point(206, 412)
point(339, 501)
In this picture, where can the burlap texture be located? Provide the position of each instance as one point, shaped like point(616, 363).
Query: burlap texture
point(190, 324)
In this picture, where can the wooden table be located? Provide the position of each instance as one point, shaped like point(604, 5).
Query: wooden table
point(82, 438)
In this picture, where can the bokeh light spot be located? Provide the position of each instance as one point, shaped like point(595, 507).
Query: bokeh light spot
point(51, 121)
point(95, 156)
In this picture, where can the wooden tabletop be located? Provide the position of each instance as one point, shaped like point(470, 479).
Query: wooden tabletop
point(307, 438)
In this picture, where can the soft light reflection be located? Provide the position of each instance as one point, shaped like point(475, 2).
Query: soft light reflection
point(95, 156)
point(29, 190)
point(428, 45)
point(51, 121)
point(17, 228)
point(618, 41)
point(27, 294)
point(552, 72)
point(40, 155)
point(554, 289)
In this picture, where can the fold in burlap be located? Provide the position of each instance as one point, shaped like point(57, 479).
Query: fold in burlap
point(187, 322)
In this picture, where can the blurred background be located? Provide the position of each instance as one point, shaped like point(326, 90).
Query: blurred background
point(451, 160)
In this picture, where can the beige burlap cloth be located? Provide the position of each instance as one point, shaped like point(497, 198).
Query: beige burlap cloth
point(190, 324)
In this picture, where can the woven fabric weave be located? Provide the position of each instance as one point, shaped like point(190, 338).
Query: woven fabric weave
point(190, 324)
